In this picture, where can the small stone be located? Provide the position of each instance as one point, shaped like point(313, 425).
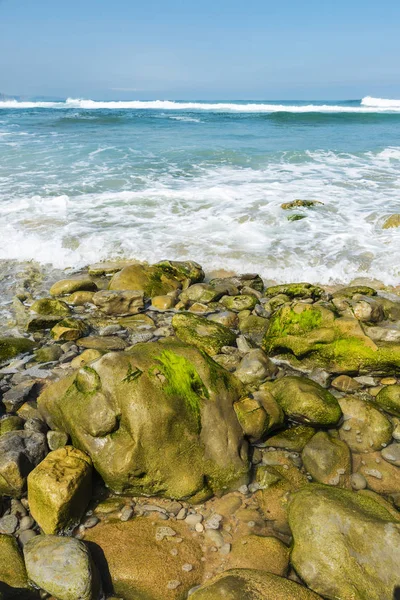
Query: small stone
point(199, 527)
point(358, 481)
point(213, 522)
point(392, 454)
point(26, 535)
point(225, 549)
point(243, 490)
point(193, 518)
point(164, 532)
point(56, 439)
point(187, 567)
point(388, 381)
point(366, 381)
point(181, 514)
point(126, 513)
point(173, 585)
point(346, 384)
point(26, 523)
point(8, 524)
point(90, 522)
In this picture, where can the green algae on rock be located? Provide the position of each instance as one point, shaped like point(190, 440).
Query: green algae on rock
point(314, 335)
point(293, 439)
point(157, 419)
point(346, 544)
point(202, 333)
point(69, 329)
point(51, 306)
point(389, 399)
point(305, 401)
point(328, 460)
point(301, 204)
point(392, 221)
point(295, 290)
point(10, 347)
point(59, 489)
point(250, 584)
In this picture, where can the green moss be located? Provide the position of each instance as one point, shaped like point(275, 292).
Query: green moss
point(10, 347)
point(296, 217)
point(289, 322)
point(202, 333)
point(350, 291)
point(49, 306)
point(301, 204)
point(183, 381)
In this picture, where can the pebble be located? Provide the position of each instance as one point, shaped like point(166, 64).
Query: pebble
point(199, 527)
point(26, 523)
point(164, 532)
point(392, 454)
point(214, 537)
point(90, 522)
point(388, 381)
point(225, 549)
point(181, 514)
point(358, 481)
point(243, 490)
point(366, 381)
point(26, 535)
point(8, 524)
point(193, 519)
point(213, 522)
point(187, 567)
point(173, 585)
point(174, 552)
point(126, 513)
point(17, 507)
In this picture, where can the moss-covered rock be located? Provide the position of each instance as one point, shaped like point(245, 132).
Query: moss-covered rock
point(238, 282)
point(12, 570)
point(238, 303)
point(314, 335)
point(122, 302)
point(389, 399)
point(252, 417)
point(365, 428)
point(293, 439)
point(300, 204)
point(353, 290)
point(157, 419)
point(50, 306)
point(63, 567)
point(253, 326)
point(187, 270)
point(11, 423)
point(68, 286)
point(10, 347)
point(392, 221)
point(69, 330)
point(328, 460)
point(102, 343)
point(305, 401)
point(38, 323)
point(59, 489)
point(79, 298)
point(48, 354)
point(151, 566)
point(151, 280)
point(250, 584)
point(259, 552)
point(200, 292)
point(295, 290)
point(202, 333)
point(85, 358)
point(346, 544)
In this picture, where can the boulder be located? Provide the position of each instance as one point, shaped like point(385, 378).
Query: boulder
point(13, 578)
point(250, 584)
point(346, 544)
point(200, 292)
point(68, 286)
point(259, 552)
point(59, 489)
point(79, 298)
point(255, 367)
point(305, 401)
point(69, 330)
point(328, 460)
point(48, 354)
point(389, 399)
point(152, 569)
point(124, 302)
point(252, 417)
point(151, 280)
point(238, 303)
point(364, 428)
point(20, 452)
point(202, 333)
point(63, 567)
point(10, 347)
point(50, 306)
point(313, 336)
point(295, 290)
point(156, 420)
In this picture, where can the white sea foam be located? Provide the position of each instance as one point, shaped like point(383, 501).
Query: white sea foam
point(367, 105)
point(224, 217)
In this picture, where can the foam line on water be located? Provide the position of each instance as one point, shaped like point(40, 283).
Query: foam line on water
point(367, 106)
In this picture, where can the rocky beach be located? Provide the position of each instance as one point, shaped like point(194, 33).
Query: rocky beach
point(169, 433)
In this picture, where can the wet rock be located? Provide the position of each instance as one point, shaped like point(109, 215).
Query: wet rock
point(381, 476)
point(37, 324)
point(48, 354)
point(328, 460)
point(200, 292)
point(389, 399)
point(20, 452)
point(69, 329)
point(135, 578)
point(295, 290)
point(18, 394)
point(171, 397)
point(59, 489)
point(250, 584)
point(261, 553)
point(85, 358)
point(226, 318)
point(202, 333)
point(10, 347)
point(62, 567)
point(151, 280)
point(238, 303)
point(68, 286)
point(79, 298)
point(123, 302)
point(364, 428)
point(255, 367)
point(346, 384)
point(305, 401)
point(12, 571)
point(346, 545)
point(102, 343)
point(56, 439)
point(293, 439)
point(50, 306)
point(163, 302)
point(252, 417)
point(392, 221)
point(392, 454)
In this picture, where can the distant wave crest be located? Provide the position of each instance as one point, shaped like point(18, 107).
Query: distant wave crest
point(367, 105)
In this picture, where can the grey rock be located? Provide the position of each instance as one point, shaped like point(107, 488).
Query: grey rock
point(392, 454)
point(20, 452)
point(62, 567)
point(8, 524)
point(17, 395)
point(56, 439)
point(26, 523)
point(26, 535)
point(255, 367)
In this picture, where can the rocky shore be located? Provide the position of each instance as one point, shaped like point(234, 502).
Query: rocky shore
point(165, 435)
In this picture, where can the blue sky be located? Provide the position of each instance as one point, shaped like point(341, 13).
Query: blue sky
point(208, 49)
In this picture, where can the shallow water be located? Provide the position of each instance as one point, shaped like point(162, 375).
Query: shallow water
point(83, 181)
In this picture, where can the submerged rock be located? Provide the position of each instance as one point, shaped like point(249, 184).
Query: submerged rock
point(389, 399)
point(328, 460)
point(365, 428)
point(346, 544)
point(301, 204)
point(62, 567)
point(392, 221)
point(157, 419)
point(250, 584)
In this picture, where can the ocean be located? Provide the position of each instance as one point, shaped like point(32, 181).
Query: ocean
point(82, 181)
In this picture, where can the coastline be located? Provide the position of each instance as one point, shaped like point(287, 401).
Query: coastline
point(207, 426)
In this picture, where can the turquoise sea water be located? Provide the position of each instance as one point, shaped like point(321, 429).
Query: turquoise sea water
point(82, 181)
